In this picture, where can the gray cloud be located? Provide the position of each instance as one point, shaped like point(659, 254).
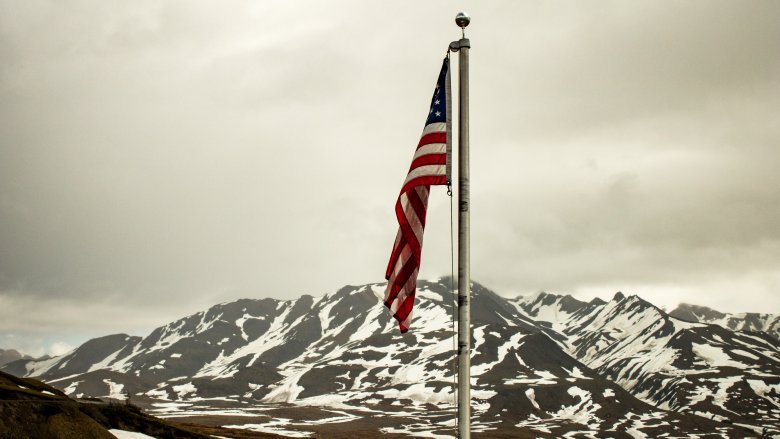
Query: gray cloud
point(156, 158)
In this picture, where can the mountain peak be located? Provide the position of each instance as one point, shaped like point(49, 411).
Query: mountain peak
point(696, 313)
point(767, 323)
point(597, 301)
point(9, 355)
point(619, 296)
point(532, 298)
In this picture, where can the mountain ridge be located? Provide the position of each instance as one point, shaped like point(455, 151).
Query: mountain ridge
point(747, 321)
point(546, 363)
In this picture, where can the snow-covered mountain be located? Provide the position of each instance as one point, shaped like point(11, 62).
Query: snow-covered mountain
point(769, 323)
point(702, 369)
point(545, 366)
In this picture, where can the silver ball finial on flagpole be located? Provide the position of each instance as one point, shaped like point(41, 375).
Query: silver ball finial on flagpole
point(462, 19)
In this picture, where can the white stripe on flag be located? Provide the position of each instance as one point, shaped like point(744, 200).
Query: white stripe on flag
point(411, 217)
point(431, 148)
point(426, 170)
point(437, 127)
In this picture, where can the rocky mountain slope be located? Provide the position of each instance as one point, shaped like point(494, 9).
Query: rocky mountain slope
point(542, 366)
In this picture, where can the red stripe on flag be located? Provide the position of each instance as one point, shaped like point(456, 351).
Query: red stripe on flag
point(400, 280)
point(406, 307)
point(418, 205)
point(394, 257)
point(406, 229)
point(434, 137)
point(429, 159)
point(427, 180)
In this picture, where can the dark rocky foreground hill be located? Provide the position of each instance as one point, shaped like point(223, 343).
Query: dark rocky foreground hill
point(542, 366)
point(32, 409)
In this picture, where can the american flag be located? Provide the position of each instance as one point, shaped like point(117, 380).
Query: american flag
point(430, 166)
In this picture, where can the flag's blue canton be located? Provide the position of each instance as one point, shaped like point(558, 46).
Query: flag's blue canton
point(438, 111)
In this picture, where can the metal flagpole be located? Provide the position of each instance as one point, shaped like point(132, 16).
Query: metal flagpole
point(464, 275)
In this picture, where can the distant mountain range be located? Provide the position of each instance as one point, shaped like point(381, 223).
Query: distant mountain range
point(542, 366)
point(768, 323)
point(9, 355)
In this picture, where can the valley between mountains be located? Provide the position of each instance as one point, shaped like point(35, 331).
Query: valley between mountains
point(542, 366)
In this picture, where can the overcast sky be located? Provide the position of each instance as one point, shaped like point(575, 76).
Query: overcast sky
point(158, 157)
